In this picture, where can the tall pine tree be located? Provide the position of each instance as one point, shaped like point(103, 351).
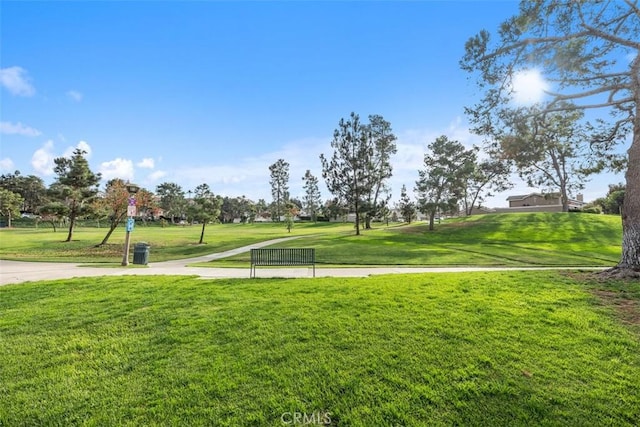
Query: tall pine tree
point(360, 164)
point(312, 199)
point(279, 187)
point(75, 185)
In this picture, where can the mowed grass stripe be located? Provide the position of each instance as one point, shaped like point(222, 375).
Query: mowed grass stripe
point(489, 240)
point(510, 348)
point(512, 254)
point(539, 239)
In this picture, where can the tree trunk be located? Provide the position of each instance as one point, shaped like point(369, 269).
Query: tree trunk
point(432, 217)
point(357, 211)
point(367, 222)
point(72, 223)
point(468, 209)
point(72, 219)
point(629, 265)
point(114, 225)
point(106, 238)
point(564, 197)
point(202, 232)
point(631, 206)
point(9, 220)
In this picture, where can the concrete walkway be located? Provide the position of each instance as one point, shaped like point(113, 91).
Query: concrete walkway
point(20, 271)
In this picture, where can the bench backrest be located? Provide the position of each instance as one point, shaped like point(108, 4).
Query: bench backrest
point(283, 256)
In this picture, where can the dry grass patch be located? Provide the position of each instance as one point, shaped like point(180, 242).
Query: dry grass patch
point(624, 305)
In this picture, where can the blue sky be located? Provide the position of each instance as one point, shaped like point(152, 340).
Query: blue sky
point(214, 92)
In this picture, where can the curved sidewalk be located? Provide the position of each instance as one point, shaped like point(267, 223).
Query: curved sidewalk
point(20, 271)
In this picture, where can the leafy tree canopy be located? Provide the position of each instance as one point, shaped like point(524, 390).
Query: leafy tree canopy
point(589, 53)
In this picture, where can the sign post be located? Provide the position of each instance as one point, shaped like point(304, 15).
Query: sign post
point(131, 212)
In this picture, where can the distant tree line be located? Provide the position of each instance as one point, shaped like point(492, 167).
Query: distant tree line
point(454, 179)
point(611, 203)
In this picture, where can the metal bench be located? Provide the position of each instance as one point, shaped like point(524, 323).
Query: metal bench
point(282, 257)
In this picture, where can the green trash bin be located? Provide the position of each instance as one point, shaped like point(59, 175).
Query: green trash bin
point(141, 253)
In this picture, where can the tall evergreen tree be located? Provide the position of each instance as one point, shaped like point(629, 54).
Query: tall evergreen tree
point(380, 170)
point(346, 172)
point(75, 185)
point(279, 186)
point(205, 207)
point(172, 200)
point(406, 206)
point(360, 164)
point(441, 185)
point(312, 198)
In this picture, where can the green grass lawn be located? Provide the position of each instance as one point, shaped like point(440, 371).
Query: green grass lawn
point(540, 239)
point(517, 348)
point(486, 240)
point(167, 243)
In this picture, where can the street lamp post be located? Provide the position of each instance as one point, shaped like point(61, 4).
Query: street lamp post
point(132, 189)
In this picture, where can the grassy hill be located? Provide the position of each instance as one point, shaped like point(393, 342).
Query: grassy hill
point(541, 239)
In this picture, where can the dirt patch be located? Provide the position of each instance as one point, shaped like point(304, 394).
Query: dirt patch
point(618, 273)
point(627, 308)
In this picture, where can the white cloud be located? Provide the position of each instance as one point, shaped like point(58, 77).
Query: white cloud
point(9, 128)
point(6, 165)
point(412, 146)
point(146, 163)
point(155, 176)
point(16, 81)
point(75, 95)
point(249, 176)
point(528, 87)
point(82, 145)
point(42, 159)
point(117, 168)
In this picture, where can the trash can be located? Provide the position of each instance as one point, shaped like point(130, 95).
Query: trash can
point(141, 253)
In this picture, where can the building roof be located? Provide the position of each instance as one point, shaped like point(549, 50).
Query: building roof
point(526, 196)
point(547, 195)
